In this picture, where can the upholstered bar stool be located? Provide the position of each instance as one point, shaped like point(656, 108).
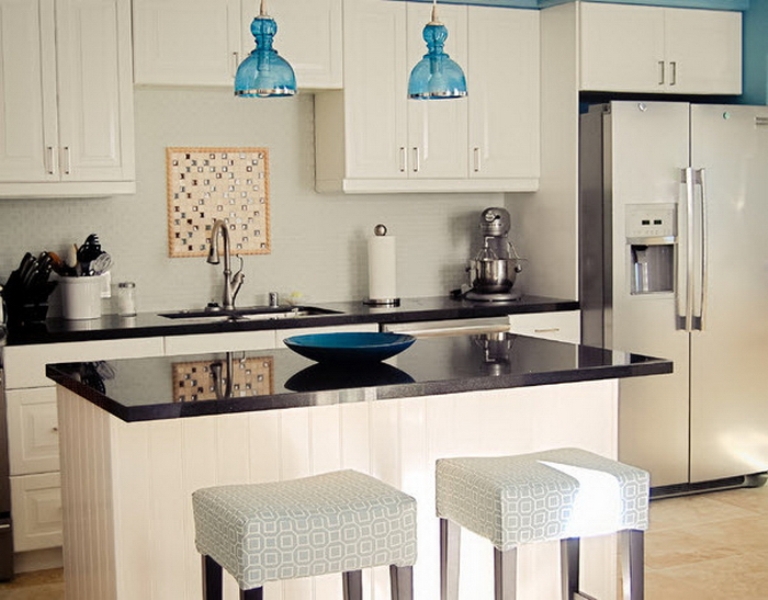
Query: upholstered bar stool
point(563, 494)
point(338, 522)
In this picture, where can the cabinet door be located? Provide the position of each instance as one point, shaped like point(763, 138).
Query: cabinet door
point(437, 130)
point(375, 87)
point(622, 47)
point(703, 51)
point(37, 514)
point(188, 42)
point(503, 82)
point(28, 135)
point(93, 39)
point(309, 37)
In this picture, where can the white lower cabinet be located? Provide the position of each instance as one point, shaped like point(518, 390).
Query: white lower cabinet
point(33, 431)
point(37, 515)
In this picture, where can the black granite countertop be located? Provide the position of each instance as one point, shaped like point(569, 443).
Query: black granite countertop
point(173, 387)
point(340, 313)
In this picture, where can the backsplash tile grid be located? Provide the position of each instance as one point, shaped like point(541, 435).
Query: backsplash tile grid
point(205, 184)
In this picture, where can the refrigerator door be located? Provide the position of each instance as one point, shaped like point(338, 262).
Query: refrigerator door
point(649, 147)
point(729, 357)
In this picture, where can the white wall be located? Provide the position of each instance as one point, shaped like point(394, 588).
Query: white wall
point(318, 241)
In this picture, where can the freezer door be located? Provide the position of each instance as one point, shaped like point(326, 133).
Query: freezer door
point(646, 148)
point(729, 357)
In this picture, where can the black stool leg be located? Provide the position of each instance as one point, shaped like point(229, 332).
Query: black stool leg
point(569, 566)
point(252, 594)
point(211, 579)
point(450, 549)
point(632, 563)
point(353, 585)
point(505, 574)
point(401, 582)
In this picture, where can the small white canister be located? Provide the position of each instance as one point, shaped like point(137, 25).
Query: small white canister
point(80, 297)
point(126, 299)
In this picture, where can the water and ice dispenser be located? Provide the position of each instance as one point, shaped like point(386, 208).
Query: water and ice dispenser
point(651, 231)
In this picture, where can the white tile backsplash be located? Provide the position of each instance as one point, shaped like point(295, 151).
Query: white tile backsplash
point(318, 240)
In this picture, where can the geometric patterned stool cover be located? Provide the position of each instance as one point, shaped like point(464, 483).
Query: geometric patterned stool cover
point(332, 523)
point(551, 495)
point(562, 494)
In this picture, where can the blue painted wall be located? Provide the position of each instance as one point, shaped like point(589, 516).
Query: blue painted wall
point(709, 4)
point(756, 53)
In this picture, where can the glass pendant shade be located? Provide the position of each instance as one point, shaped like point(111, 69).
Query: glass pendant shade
point(436, 76)
point(264, 73)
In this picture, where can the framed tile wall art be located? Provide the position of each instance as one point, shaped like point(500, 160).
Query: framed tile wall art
point(205, 184)
point(193, 380)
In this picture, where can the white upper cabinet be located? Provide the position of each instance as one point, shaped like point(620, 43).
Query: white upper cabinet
point(308, 36)
point(503, 81)
point(626, 48)
point(66, 99)
point(186, 42)
point(201, 42)
point(371, 138)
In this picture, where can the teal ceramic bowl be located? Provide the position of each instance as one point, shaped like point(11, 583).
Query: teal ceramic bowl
point(352, 347)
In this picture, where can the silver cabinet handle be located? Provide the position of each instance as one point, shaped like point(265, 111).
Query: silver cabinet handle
point(402, 159)
point(235, 63)
point(416, 161)
point(550, 330)
point(673, 66)
point(661, 72)
point(5, 526)
point(50, 157)
point(476, 153)
point(67, 156)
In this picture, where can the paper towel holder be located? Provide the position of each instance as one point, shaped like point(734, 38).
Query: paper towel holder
point(379, 231)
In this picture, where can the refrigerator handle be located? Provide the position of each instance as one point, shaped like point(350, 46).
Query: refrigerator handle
point(698, 320)
point(685, 320)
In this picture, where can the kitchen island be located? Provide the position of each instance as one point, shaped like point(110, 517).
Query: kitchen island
point(138, 436)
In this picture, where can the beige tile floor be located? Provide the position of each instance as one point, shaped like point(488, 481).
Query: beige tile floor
point(698, 548)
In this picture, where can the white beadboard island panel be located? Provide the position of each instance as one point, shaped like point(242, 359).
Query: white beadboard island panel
point(126, 486)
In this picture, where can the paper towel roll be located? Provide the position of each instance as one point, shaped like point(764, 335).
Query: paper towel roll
point(382, 257)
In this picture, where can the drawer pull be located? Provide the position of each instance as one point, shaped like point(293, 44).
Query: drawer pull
point(55, 429)
point(5, 526)
point(550, 330)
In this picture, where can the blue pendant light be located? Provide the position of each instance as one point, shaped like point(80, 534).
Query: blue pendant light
point(264, 73)
point(436, 76)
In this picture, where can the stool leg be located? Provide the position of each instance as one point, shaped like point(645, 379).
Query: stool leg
point(569, 567)
point(401, 582)
point(450, 549)
point(632, 563)
point(353, 585)
point(212, 583)
point(252, 594)
point(505, 574)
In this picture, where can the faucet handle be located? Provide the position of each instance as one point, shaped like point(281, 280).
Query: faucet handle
point(237, 279)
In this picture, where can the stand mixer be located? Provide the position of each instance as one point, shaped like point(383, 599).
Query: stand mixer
point(494, 269)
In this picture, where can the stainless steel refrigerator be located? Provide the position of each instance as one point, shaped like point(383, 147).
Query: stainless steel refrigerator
point(674, 263)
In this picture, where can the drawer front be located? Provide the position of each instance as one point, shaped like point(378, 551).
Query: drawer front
point(37, 516)
point(561, 326)
point(33, 431)
point(25, 365)
point(219, 342)
point(281, 334)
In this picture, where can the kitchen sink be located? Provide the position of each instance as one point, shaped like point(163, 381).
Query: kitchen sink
point(253, 313)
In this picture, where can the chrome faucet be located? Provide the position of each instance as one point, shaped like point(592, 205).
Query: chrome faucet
point(232, 283)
